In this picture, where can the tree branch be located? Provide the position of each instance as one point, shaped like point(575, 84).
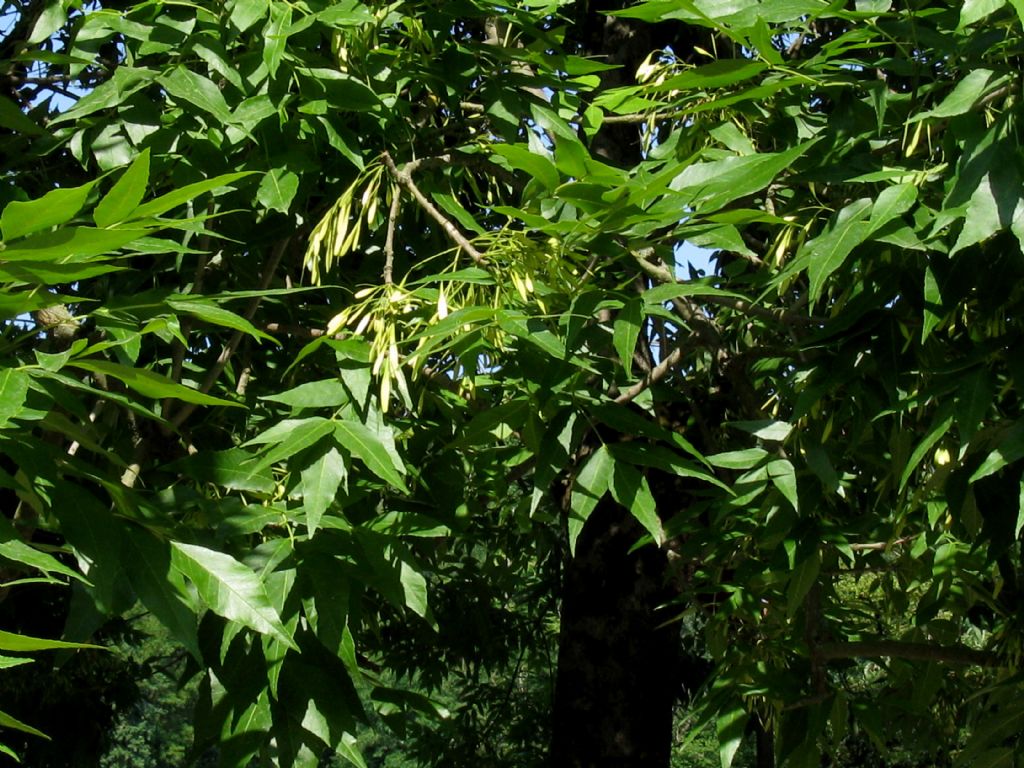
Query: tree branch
point(404, 179)
point(896, 649)
point(662, 274)
point(229, 349)
point(657, 373)
point(389, 240)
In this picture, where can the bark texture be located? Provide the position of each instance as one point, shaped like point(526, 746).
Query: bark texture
point(618, 667)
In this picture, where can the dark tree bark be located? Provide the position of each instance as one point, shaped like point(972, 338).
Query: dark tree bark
point(618, 663)
point(621, 669)
point(618, 666)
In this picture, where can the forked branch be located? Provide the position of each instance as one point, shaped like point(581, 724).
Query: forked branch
point(404, 179)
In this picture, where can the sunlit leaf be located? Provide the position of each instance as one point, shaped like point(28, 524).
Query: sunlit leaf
point(230, 589)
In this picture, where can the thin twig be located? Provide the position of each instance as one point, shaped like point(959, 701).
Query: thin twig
point(662, 274)
point(178, 348)
point(404, 179)
point(881, 545)
point(657, 373)
point(389, 240)
point(643, 117)
point(896, 649)
point(229, 349)
point(294, 330)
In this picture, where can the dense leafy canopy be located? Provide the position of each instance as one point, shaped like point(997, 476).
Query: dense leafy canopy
point(328, 326)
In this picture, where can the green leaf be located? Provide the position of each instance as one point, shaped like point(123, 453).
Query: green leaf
point(994, 205)
point(13, 548)
point(320, 483)
point(1009, 449)
point(932, 304)
point(347, 13)
point(536, 166)
point(348, 749)
point(626, 331)
point(631, 490)
point(10, 641)
point(245, 13)
point(662, 293)
point(277, 190)
point(367, 445)
point(230, 589)
point(52, 18)
point(186, 85)
point(936, 433)
point(13, 391)
point(738, 459)
point(326, 393)
point(69, 243)
point(289, 437)
point(766, 429)
point(975, 397)
point(58, 206)
point(6, 662)
point(342, 91)
point(6, 721)
point(717, 74)
point(647, 455)
point(532, 330)
point(51, 273)
point(964, 96)
point(125, 196)
point(730, 727)
point(233, 469)
point(592, 482)
point(205, 310)
point(13, 118)
point(827, 252)
point(892, 202)
point(5, 750)
point(147, 564)
point(783, 477)
point(275, 36)
point(709, 186)
point(125, 81)
point(149, 384)
point(800, 583)
point(974, 11)
point(414, 587)
point(185, 194)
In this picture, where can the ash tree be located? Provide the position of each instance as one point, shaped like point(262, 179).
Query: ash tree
point(353, 340)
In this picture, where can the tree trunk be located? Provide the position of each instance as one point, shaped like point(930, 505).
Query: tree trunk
point(618, 666)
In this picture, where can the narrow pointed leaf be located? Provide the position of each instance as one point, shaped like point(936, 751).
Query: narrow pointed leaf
point(150, 384)
point(365, 444)
point(320, 483)
point(230, 589)
point(126, 195)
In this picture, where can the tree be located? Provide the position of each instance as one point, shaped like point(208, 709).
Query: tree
point(342, 309)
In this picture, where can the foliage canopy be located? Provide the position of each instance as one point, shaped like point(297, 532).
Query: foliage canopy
point(329, 326)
